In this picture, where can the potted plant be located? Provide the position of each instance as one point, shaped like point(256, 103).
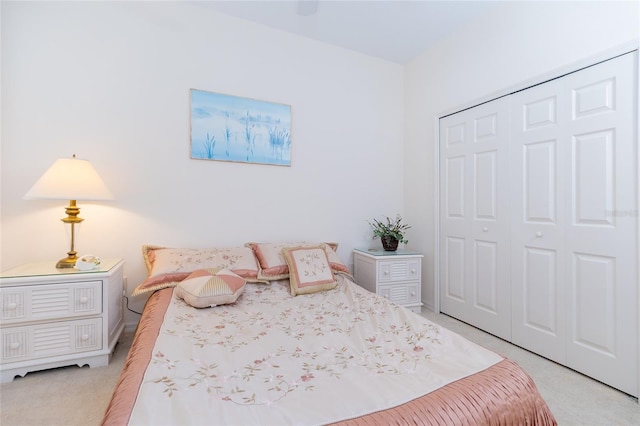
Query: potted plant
point(391, 232)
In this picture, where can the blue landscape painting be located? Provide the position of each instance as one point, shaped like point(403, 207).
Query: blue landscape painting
point(231, 128)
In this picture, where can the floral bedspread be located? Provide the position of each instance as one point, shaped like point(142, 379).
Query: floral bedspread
point(272, 358)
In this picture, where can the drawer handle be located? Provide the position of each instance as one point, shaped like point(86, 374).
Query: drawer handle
point(538, 234)
point(413, 271)
point(11, 306)
point(485, 229)
point(413, 293)
point(84, 299)
point(14, 345)
point(386, 272)
point(84, 337)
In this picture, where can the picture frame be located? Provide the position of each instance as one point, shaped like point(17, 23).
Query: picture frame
point(238, 129)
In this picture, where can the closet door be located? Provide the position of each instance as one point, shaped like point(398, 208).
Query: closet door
point(539, 159)
point(474, 217)
point(574, 221)
point(601, 236)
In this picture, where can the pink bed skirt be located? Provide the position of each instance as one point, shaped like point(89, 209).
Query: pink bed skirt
point(503, 394)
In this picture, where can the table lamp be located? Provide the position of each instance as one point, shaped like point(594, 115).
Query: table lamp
point(70, 179)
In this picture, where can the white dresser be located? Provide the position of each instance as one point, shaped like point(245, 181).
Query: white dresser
point(55, 317)
point(395, 275)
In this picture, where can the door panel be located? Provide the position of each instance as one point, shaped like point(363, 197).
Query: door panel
point(601, 233)
point(539, 113)
point(537, 219)
point(455, 270)
point(594, 178)
point(455, 187)
point(540, 311)
point(540, 181)
point(474, 217)
point(594, 327)
point(594, 98)
point(486, 276)
point(485, 185)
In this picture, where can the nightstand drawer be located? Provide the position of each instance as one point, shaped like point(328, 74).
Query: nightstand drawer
point(398, 270)
point(402, 294)
point(50, 301)
point(396, 276)
point(47, 340)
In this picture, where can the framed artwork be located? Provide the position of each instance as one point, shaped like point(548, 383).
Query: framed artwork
point(231, 128)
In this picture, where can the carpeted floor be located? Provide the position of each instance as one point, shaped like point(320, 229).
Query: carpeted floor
point(78, 396)
point(62, 396)
point(574, 399)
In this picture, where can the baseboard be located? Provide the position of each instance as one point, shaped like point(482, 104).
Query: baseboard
point(130, 327)
point(428, 305)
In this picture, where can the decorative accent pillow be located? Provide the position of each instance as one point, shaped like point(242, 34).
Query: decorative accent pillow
point(210, 287)
point(309, 270)
point(273, 265)
point(168, 266)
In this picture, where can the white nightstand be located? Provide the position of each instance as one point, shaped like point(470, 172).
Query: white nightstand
point(395, 275)
point(55, 317)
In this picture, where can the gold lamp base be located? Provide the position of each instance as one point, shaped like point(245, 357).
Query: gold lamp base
point(67, 262)
point(72, 218)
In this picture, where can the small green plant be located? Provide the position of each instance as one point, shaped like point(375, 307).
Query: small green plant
point(391, 227)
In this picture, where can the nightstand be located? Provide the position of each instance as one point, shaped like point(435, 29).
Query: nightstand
point(56, 317)
point(395, 275)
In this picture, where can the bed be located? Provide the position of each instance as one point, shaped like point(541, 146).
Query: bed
point(283, 353)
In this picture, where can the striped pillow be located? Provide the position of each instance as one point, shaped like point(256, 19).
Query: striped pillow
point(210, 287)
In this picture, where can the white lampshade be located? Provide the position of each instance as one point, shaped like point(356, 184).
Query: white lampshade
point(70, 179)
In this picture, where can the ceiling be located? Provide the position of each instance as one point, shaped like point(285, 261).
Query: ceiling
point(394, 30)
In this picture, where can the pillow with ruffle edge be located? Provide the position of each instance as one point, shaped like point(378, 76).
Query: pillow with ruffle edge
point(273, 265)
point(167, 266)
point(309, 270)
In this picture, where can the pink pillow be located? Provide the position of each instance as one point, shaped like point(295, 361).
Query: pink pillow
point(309, 270)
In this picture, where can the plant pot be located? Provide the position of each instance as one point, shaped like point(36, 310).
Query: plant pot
point(389, 243)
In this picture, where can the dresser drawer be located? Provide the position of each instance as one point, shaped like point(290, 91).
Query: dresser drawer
point(402, 294)
point(50, 301)
point(398, 270)
point(48, 340)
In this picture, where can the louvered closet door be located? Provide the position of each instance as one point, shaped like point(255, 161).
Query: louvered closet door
point(574, 221)
point(474, 217)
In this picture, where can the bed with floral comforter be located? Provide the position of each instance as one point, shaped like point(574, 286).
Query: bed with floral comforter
point(339, 356)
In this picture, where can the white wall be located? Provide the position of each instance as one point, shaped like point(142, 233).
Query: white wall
point(513, 43)
point(110, 82)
